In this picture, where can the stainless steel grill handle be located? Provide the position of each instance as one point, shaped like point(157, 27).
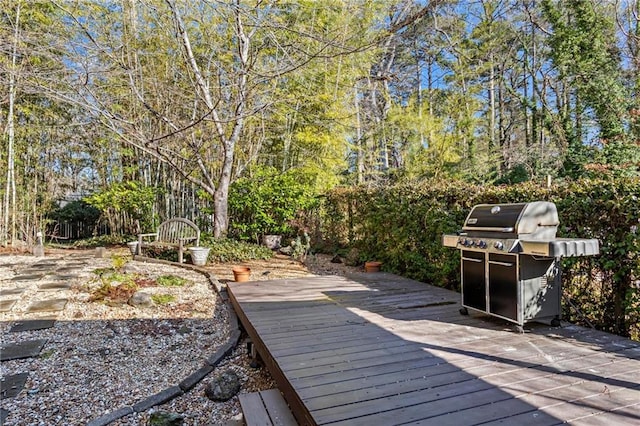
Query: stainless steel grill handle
point(507, 264)
point(469, 259)
point(488, 229)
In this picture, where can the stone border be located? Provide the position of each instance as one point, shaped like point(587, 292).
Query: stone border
point(194, 378)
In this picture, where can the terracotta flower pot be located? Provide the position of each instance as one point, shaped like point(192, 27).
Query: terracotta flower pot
point(241, 274)
point(372, 266)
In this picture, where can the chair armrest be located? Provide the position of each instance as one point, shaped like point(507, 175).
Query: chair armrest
point(140, 242)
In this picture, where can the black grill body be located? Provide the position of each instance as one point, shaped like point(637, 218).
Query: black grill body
point(510, 261)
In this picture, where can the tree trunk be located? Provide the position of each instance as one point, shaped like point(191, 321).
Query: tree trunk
point(359, 150)
point(221, 212)
point(492, 107)
point(10, 194)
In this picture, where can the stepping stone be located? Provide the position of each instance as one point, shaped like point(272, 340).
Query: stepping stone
point(12, 385)
point(63, 277)
point(29, 277)
point(11, 291)
point(69, 269)
point(45, 263)
point(55, 286)
point(30, 325)
point(6, 305)
point(21, 350)
point(44, 268)
point(51, 305)
point(80, 257)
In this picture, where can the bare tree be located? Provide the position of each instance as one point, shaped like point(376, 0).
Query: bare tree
point(201, 74)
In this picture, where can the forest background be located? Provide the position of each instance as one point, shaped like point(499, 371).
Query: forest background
point(331, 117)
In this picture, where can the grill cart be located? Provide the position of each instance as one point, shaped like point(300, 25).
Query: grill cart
point(510, 261)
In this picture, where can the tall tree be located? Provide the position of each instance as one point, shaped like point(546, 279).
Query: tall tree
point(629, 23)
point(9, 203)
point(373, 91)
point(584, 51)
point(32, 121)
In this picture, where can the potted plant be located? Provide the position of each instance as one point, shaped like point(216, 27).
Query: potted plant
point(199, 255)
point(241, 273)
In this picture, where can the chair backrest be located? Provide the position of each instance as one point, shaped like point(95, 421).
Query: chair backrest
point(172, 230)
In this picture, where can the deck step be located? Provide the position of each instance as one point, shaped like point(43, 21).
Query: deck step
point(266, 408)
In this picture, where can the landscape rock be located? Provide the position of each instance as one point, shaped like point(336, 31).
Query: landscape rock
point(131, 269)
point(223, 387)
point(288, 250)
point(140, 299)
point(336, 259)
point(164, 418)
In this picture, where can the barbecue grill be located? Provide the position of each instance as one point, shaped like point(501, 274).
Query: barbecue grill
point(510, 261)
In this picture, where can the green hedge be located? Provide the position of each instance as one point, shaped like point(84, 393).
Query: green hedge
point(402, 226)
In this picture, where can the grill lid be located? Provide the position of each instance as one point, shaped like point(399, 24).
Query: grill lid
point(537, 219)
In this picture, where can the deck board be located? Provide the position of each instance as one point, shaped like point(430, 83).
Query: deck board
point(382, 349)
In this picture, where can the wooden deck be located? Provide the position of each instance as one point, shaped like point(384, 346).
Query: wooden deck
point(378, 349)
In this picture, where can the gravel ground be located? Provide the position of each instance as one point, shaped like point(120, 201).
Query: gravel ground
point(101, 356)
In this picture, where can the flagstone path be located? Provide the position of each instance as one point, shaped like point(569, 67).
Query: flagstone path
point(33, 290)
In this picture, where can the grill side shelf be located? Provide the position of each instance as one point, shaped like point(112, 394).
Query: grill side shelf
point(560, 247)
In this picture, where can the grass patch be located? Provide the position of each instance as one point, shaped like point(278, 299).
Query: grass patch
point(163, 299)
point(47, 354)
point(172, 281)
point(118, 277)
point(119, 262)
point(102, 271)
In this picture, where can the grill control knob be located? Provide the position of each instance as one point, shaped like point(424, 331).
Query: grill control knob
point(498, 245)
point(482, 244)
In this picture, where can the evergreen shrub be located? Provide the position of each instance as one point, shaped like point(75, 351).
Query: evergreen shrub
point(402, 227)
point(269, 202)
point(228, 250)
